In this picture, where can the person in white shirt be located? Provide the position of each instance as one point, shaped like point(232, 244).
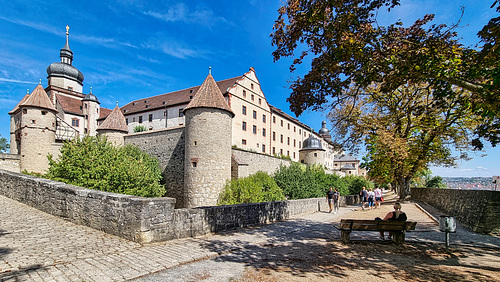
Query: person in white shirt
point(378, 197)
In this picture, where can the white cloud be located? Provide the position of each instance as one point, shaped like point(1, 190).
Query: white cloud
point(174, 48)
point(17, 81)
point(181, 13)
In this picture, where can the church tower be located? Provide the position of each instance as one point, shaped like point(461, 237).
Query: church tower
point(64, 74)
point(35, 130)
point(207, 164)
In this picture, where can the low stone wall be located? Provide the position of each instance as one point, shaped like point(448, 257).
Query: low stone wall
point(9, 162)
point(146, 220)
point(477, 209)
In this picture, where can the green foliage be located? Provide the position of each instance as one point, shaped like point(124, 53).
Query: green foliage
point(299, 181)
point(256, 188)
point(140, 128)
point(4, 145)
point(94, 163)
point(435, 182)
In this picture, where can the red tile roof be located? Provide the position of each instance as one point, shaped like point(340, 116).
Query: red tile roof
point(38, 98)
point(287, 116)
point(114, 121)
point(104, 113)
point(173, 98)
point(69, 104)
point(17, 106)
point(209, 96)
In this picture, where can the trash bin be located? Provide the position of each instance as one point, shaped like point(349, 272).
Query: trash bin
point(447, 223)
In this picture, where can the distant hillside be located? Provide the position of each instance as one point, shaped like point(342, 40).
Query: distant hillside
point(482, 183)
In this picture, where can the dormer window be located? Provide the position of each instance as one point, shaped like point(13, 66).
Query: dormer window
point(190, 97)
point(145, 101)
point(164, 103)
point(147, 106)
point(191, 91)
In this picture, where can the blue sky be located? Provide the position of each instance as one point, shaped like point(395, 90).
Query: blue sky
point(134, 49)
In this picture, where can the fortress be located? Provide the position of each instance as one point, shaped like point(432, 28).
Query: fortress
point(202, 136)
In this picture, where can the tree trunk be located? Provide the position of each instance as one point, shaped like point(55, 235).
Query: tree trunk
point(403, 187)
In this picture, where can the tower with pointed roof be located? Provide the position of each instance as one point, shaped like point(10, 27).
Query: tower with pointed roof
point(34, 128)
point(207, 164)
point(90, 109)
point(114, 127)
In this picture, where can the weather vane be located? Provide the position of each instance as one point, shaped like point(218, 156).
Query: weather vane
point(67, 29)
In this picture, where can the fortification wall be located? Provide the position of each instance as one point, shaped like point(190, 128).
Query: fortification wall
point(9, 162)
point(145, 220)
point(477, 209)
point(167, 145)
point(251, 162)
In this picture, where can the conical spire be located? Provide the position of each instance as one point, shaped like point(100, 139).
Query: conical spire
point(38, 98)
point(66, 54)
point(209, 96)
point(114, 121)
point(22, 101)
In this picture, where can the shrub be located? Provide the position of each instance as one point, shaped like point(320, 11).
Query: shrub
point(256, 188)
point(94, 163)
point(140, 128)
point(356, 183)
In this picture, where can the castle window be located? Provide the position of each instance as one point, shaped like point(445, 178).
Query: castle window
point(300, 145)
point(180, 113)
point(44, 113)
point(191, 91)
point(190, 97)
point(281, 138)
point(85, 106)
point(315, 155)
point(263, 132)
point(252, 97)
point(263, 148)
point(260, 101)
point(244, 110)
point(244, 126)
point(75, 122)
point(282, 123)
point(133, 119)
point(33, 121)
point(289, 126)
point(70, 88)
point(87, 117)
point(294, 143)
point(147, 106)
point(251, 86)
point(274, 119)
point(145, 101)
point(254, 129)
point(274, 135)
point(300, 131)
point(294, 129)
point(195, 143)
point(194, 164)
point(244, 94)
point(288, 141)
point(140, 119)
point(274, 150)
point(243, 141)
point(126, 121)
point(288, 153)
point(294, 155)
point(150, 117)
point(263, 118)
point(133, 104)
point(281, 152)
point(254, 114)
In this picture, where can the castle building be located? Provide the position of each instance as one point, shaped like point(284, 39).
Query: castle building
point(212, 118)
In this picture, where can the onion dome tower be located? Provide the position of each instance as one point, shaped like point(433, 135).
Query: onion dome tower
point(90, 108)
point(312, 152)
point(64, 74)
point(324, 132)
point(36, 130)
point(207, 163)
point(114, 127)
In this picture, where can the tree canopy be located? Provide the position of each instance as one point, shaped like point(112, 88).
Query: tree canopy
point(350, 48)
point(4, 145)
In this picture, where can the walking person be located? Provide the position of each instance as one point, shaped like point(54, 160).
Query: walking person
point(336, 198)
point(364, 197)
point(329, 198)
point(371, 198)
point(378, 197)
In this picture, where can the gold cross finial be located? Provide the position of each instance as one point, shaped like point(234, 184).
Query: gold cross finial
point(67, 29)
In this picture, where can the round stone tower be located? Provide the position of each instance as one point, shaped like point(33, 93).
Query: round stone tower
point(90, 109)
point(207, 164)
point(36, 131)
point(312, 152)
point(114, 127)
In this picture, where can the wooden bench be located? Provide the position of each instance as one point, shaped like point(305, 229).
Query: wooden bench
point(398, 228)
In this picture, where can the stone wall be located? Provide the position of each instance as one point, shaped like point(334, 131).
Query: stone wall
point(477, 209)
point(145, 220)
point(250, 162)
point(167, 145)
point(9, 162)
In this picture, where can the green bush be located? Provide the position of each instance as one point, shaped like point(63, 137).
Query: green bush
point(94, 163)
point(356, 183)
point(140, 128)
point(256, 188)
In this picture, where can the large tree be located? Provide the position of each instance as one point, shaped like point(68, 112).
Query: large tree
point(359, 67)
point(405, 130)
point(348, 46)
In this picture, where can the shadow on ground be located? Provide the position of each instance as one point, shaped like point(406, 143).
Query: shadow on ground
point(311, 251)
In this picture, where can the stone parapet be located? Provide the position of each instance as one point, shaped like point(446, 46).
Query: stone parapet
point(477, 209)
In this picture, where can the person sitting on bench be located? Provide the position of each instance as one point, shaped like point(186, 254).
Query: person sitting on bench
point(396, 215)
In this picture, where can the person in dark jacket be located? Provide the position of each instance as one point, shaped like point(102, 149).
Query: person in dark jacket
point(396, 215)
